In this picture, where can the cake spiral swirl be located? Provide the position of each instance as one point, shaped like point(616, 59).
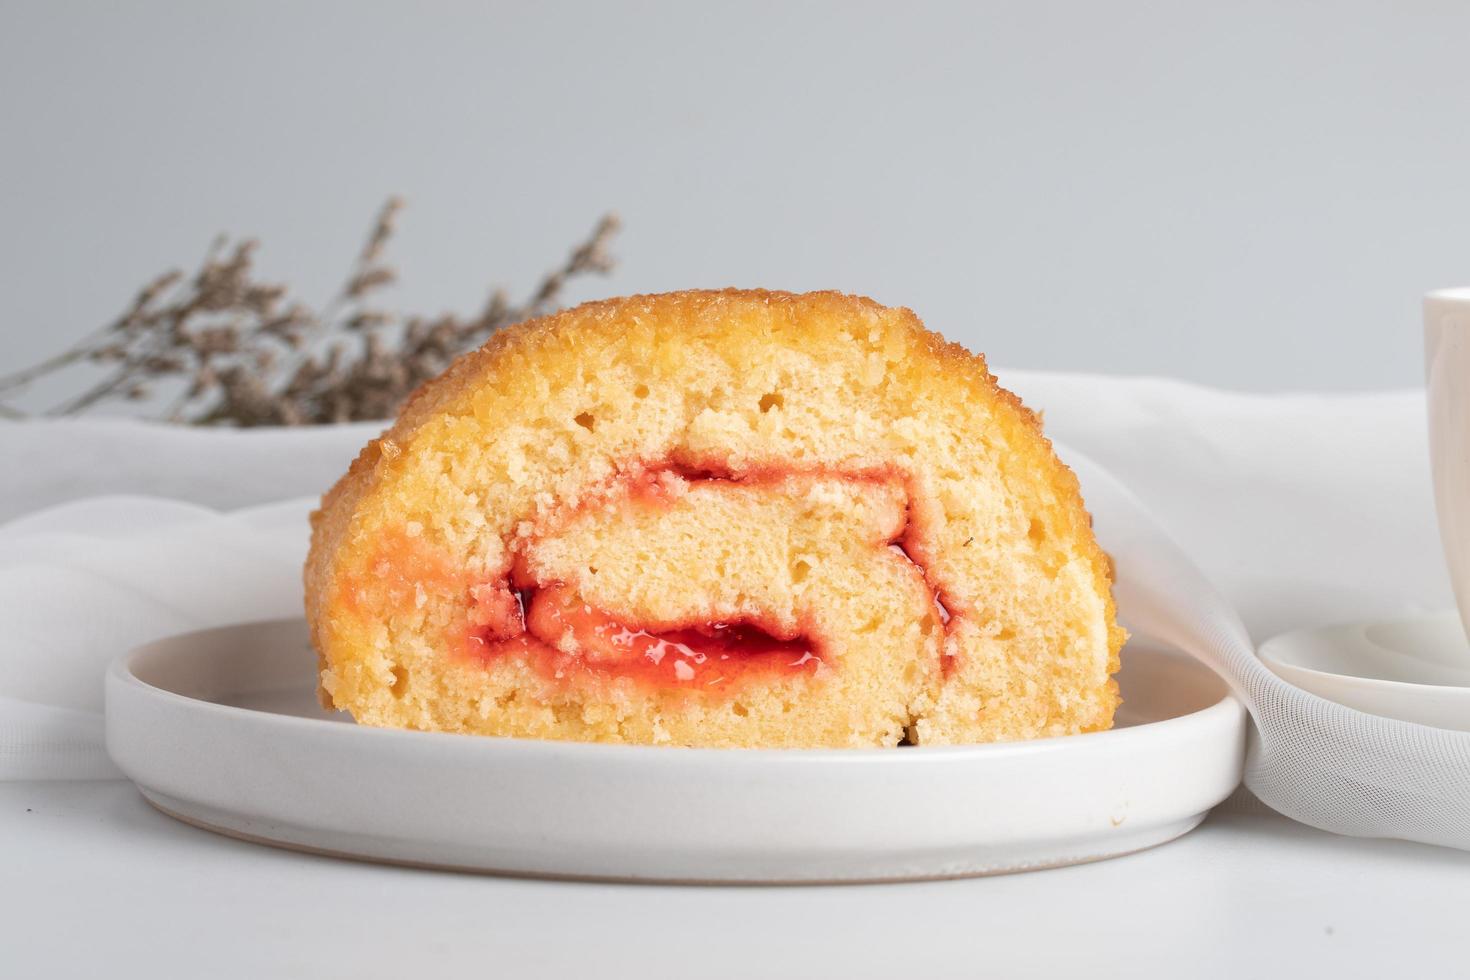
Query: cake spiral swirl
point(734, 518)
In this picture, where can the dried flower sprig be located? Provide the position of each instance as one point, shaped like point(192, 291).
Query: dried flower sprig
point(241, 352)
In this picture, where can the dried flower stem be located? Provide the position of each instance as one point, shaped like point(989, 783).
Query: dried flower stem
point(242, 354)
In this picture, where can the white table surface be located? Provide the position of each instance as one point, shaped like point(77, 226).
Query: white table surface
point(100, 884)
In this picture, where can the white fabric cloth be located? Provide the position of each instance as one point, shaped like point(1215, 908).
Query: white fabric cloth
point(53, 461)
point(1303, 510)
point(1308, 758)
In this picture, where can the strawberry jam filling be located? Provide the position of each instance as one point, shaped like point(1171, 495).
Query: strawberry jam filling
point(560, 636)
point(550, 627)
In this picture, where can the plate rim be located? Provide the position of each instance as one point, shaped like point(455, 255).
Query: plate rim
point(1171, 832)
point(1122, 790)
point(120, 672)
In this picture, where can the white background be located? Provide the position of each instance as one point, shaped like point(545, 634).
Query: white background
point(1251, 195)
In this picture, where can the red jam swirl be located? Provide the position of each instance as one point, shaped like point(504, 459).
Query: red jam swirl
point(561, 636)
point(551, 628)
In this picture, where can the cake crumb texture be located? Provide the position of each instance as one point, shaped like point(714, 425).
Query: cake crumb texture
point(815, 469)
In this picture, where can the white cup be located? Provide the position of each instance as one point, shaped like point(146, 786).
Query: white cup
point(1447, 373)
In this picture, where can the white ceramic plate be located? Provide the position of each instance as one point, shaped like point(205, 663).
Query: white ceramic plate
point(221, 729)
point(1411, 669)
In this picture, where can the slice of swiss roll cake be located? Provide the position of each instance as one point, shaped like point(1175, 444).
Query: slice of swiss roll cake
point(735, 518)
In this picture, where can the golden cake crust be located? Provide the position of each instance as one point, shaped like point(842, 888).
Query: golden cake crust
point(338, 525)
